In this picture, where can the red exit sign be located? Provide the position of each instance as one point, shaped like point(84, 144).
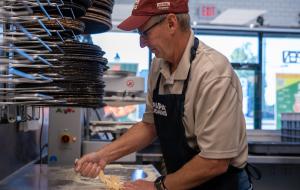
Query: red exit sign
point(208, 11)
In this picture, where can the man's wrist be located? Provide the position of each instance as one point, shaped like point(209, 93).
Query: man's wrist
point(159, 183)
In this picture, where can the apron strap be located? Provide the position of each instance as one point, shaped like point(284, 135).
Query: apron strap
point(192, 57)
point(156, 90)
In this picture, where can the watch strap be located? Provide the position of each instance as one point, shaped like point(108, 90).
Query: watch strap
point(159, 183)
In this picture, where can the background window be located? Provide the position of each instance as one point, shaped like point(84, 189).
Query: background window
point(247, 79)
point(242, 50)
point(238, 49)
point(126, 45)
point(124, 48)
point(281, 79)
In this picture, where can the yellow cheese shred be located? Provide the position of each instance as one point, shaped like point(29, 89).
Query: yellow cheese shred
point(110, 181)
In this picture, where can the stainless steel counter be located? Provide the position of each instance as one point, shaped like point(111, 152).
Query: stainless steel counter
point(64, 178)
point(268, 159)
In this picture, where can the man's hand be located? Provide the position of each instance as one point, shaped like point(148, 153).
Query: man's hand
point(90, 165)
point(138, 185)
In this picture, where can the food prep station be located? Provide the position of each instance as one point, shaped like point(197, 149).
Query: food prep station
point(51, 74)
point(43, 177)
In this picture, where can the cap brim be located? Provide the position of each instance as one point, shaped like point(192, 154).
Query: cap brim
point(133, 22)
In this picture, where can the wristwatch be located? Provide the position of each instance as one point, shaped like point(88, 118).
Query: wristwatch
point(159, 183)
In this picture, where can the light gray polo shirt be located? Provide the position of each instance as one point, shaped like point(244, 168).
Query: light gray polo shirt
point(213, 117)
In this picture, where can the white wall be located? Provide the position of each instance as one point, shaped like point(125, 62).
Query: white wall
point(280, 12)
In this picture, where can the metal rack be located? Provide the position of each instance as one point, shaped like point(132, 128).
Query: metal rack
point(42, 62)
point(13, 100)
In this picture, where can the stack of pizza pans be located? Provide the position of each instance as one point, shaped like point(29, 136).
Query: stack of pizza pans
point(76, 68)
point(62, 8)
point(66, 8)
point(81, 68)
point(98, 17)
point(65, 26)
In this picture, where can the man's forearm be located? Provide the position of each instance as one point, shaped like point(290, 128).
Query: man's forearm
point(196, 172)
point(137, 137)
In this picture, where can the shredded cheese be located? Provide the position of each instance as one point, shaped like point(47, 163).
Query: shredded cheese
point(110, 181)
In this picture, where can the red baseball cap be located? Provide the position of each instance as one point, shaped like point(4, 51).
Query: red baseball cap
point(143, 10)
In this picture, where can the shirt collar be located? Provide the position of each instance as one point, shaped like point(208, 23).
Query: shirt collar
point(183, 67)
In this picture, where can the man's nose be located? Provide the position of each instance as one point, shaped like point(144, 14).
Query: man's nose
point(143, 42)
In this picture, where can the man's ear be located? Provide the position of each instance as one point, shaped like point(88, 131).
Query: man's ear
point(172, 22)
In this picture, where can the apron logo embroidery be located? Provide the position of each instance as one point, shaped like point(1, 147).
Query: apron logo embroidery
point(159, 109)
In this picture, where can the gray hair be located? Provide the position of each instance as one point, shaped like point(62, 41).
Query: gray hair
point(183, 19)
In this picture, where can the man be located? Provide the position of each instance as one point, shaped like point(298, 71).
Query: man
point(194, 107)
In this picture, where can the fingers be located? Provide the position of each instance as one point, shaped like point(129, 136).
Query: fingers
point(90, 169)
point(89, 165)
point(93, 170)
point(129, 186)
point(85, 169)
point(78, 163)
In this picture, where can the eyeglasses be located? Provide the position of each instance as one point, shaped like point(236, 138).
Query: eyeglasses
point(144, 33)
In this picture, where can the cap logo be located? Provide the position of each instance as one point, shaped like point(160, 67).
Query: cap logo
point(163, 5)
point(136, 4)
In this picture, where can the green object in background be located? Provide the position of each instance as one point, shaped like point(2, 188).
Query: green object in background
point(287, 86)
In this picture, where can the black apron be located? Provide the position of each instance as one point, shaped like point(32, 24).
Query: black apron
point(168, 111)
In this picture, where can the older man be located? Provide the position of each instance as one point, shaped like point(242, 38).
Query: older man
point(194, 107)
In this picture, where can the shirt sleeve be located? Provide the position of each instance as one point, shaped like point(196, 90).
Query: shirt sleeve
point(218, 119)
